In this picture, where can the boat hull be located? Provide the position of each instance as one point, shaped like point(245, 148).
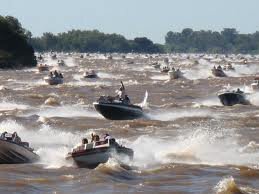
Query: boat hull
point(231, 98)
point(53, 81)
point(175, 75)
point(12, 153)
point(92, 158)
point(115, 111)
point(218, 73)
point(90, 76)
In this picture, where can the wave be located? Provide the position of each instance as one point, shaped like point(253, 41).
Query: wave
point(228, 185)
point(66, 111)
point(208, 146)
point(174, 114)
point(6, 105)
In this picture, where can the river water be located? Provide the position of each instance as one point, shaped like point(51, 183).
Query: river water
point(188, 142)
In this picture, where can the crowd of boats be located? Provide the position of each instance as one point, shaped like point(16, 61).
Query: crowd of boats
point(99, 150)
point(86, 154)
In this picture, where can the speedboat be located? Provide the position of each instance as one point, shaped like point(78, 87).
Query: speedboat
point(164, 68)
point(230, 98)
point(53, 80)
point(54, 56)
point(90, 74)
point(255, 84)
point(156, 65)
point(114, 109)
point(175, 74)
point(218, 72)
point(90, 155)
point(15, 152)
point(42, 67)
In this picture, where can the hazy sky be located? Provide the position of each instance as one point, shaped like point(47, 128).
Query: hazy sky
point(132, 18)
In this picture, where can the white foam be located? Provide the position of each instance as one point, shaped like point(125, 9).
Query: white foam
point(50, 144)
point(9, 105)
point(67, 111)
point(160, 77)
point(173, 114)
point(201, 146)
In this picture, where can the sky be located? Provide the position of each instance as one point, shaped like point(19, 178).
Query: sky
point(133, 18)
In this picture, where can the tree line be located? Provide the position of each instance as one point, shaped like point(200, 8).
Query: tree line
point(15, 51)
point(226, 41)
point(93, 41)
point(187, 41)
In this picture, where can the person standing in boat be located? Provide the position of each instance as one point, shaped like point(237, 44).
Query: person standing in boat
point(122, 95)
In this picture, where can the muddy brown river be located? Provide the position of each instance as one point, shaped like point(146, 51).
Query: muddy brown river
point(188, 141)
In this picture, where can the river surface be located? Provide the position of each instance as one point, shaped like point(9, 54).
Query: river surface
point(188, 142)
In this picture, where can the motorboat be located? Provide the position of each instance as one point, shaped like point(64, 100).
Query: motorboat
point(164, 68)
point(53, 56)
point(115, 109)
point(255, 84)
point(156, 65)
point(14, 151)
point(90, 155)
point(218, 72)
point(54, 79)
point(175, 74)
point(228, 67)
point(90, 74)
point(42, 67)
point(61, 62)
point(230, 98)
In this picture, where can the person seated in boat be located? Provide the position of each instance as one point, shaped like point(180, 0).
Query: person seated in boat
point(219, 68)
point(173, 69)
point(50, 74)
point(84, 141)
point(56, 73)
point(239, 91)
point(61, 75)
point(3, 135)
point(16, 138)
point(126, 100)
point(95, 137)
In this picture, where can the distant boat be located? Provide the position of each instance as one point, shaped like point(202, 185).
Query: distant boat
point(54, 79)
point(255, 84)
point(42, 67)
point(175, 74)
point(218, 72)
point(90, 74)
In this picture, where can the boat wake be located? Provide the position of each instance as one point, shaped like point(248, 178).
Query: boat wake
point(66, 111)
point(174, 114)
point(201, 146)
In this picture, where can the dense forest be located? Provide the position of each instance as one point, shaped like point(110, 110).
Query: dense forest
point(187, 41)
point(93, 41)
point(226, 41)
point(15, 51)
